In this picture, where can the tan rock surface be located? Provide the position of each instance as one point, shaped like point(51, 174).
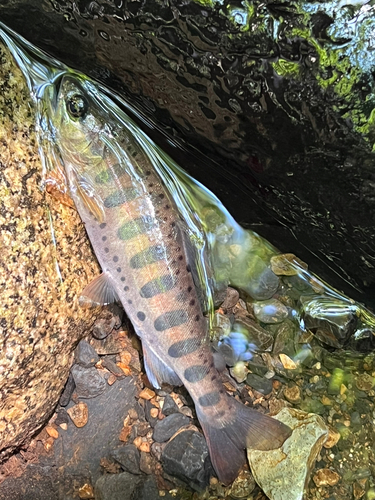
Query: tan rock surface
point(40, 320)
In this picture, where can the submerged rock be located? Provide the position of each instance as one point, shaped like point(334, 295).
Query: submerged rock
point(284, 473)
point(40, 319)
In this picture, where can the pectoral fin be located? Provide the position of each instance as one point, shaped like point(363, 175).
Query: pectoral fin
point(90, 199)
point(100, 292)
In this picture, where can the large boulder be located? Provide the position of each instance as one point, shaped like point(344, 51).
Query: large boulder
point(278, 96)
point(45, 261)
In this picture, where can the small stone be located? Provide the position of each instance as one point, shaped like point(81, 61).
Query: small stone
point(358, 491)
point(326, 477)
point(125, 358)
point(287, 362)
point(128, 457)
point(111, 379)
point(260, 384)
point(336, 381)
point(125, 433)
point(86, 491)
point(63, 426)
point(270, 311)
point(283, 473)
point(85, 355)
point(89, 383)
point(147, 463)
point(151, 413)
point(169, 406)
point(157, 449)
point(154, 412)
point(254, 333)
point(62, 417)
point(287, 264)
point(185, 457)
point(221, 326)
point(145, 447)
point(164, 429)
point(51, 431)
point(48, 443)
point(293, 394)
point(79, 414)
point(365, 382)
point(103, 327)
point(231, 299)
point(332, 438)
point(326, 401)
point(68, 391)
point(147, 393)
point(242, 486)
point(239, 372)
point(117, 486)
point(112, 367)
point(133, 414)
point(263, 282)
point(124, 368)
point(185, 410)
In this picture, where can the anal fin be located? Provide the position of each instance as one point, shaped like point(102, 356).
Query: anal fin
point(100, 292)
point(157, 371)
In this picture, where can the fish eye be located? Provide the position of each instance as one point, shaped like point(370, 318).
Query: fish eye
point(77, 106)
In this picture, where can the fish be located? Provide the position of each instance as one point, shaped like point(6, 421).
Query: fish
point(142, 245)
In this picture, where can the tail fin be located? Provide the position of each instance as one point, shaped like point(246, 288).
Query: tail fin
point(243, 428)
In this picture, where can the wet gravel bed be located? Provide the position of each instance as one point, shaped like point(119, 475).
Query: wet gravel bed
point(114, 436)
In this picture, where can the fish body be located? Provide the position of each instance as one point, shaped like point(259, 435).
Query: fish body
point(143, 248)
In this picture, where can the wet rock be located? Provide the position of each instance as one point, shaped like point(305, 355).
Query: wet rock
point(85, 355)
point(333, 438)
point(147, 463)
point(89, 383)
point(185, 457)
point(326, 477)
point(239, 372)
point(117, 486)
point(164, 429)
point(221, 326)
point(157, 449)
point(284, 338)
point(230, 300)
point(263, 282)
point(103, 327)
point(169, 406)
point(287, 362)
point(255, 334)
point(147, 394)
point(283, 474)
point(292, 394)
point(62, 417)
point(128, 457)
point(112, 367)
point(79, 414)
point(270, 311)
point(68, 391)
point(260, 384)
point(148, 490)
point(365, 382)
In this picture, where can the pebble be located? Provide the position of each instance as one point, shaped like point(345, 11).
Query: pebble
point(125, 433)
point(85, 355)
point(89, 383)
point(263, 282)
point(186, 457)
point(112, 367)
point(270, 311)
point(147, 463)
point(292, 394)
point(287, 362)
point(86, 491)
point(147, 394)
point(62, 417)
point(282, 473)
point(242, 486)
point(51, 431)
point(365, 382)
point(68, 391)
point(286, 264)
point(260, 384)
point(103, 327)
point(221, 326)
point(164, 429)
point(239, 372)
point(169, 406)
point(157, 449)
point(333, 438)
point(79, 414)
point(255, 334)
point(326, 477)
point(151, 413)
point(231, 299)
point(128, 457)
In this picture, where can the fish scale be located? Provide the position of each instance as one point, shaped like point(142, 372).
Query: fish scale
point(139, 239)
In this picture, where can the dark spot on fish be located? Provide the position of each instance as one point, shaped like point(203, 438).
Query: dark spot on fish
point(148, 256)
point(122, 278)
point(189, 289)
point(102, 225)
point(106, 250)
point(141, 315)
point(180, 257)
point(115, 258)
point(148, 172)
point(170, 235)
point(222, 391)
point(195, 373)
point(130, 301)
point(196, 318)
point(136, 227)
point(177, 272)
point(167, 206)
point(184, 347)
point(173, 224)
point(151, 185)
point(158, 285)
point(104, 238)
point(192, 302)
point(209, 399)
point(170, 319)
point(220, 414)
point(188, 268)
point(212, 364)
point(120, 197)
point(126, 288)
point(214, 377)
point(119, 270)
point(161, 196)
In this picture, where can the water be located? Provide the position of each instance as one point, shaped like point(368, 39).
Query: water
point(289, 324)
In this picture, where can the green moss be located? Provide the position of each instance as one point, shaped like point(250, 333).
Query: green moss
point(286, 68)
